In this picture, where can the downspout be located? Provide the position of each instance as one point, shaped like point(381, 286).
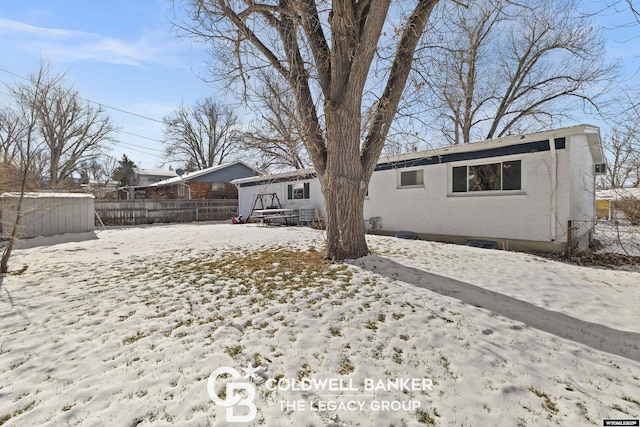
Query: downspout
point(239, 212)
point(554, 189)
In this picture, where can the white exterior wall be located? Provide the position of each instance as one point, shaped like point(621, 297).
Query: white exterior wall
point(562, 195)
point(557, 186)
point(49, 214)
point(582, 194)
point(247, 195)
point(434, 209)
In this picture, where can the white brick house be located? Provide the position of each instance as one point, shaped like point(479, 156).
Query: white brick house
point(518, 191)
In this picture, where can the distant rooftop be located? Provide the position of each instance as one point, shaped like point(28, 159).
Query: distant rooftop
point(156, 172)
point(618, 193)
point(191, 175)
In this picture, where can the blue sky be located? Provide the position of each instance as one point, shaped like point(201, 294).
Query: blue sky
point(123, 53)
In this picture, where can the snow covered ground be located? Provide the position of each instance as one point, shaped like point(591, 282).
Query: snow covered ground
point(126, 329)
point(622, 238)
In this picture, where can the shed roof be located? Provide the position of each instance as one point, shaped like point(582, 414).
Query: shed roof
point(45, 195)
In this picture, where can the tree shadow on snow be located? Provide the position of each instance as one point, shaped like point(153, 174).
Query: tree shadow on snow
point(55, 240)
point(599, 337)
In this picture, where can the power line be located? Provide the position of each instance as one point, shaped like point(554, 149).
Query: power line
point(93, 102)
point(128, 145)
point(142, 152)
point(140, 136)
point(138, 146)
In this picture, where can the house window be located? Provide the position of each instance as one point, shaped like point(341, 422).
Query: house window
point(501, 176)
point(414, 178)
point(181, 191)
point(298, 191)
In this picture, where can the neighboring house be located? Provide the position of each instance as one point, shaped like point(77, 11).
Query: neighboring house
point(209, 183)
point(606, 201)
point(151, 176)
point(518, 192)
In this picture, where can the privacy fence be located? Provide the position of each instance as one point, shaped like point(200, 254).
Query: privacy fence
point(131, 212)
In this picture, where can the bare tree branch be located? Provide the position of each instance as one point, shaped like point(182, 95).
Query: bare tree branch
point(517, 67)
point(202, 136)
point(327, 59)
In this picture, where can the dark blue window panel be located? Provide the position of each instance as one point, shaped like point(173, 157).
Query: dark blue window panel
point(529, 147)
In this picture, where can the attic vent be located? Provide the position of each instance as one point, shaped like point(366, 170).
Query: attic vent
point(600, 168)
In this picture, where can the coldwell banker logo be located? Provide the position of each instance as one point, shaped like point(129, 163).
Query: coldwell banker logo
point(233, 398)
point(240, 395)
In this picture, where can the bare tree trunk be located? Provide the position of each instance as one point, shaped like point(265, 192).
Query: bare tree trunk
point(343, 184)
point(292, 40)
point(345, 225)
point(6, 254)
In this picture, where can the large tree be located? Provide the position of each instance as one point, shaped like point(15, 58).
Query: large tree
point(99, 170)
point(501, 67)
point(202, 135)
point(25, 144)
point(276, 135)
point(335, 56)
point(73, 130)
point(622, 148)
point(12, 129)
point(621, 141)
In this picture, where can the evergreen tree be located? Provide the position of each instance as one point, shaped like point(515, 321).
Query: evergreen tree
point(125, 172)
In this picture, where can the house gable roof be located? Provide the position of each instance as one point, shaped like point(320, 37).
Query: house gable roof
point(196, 174)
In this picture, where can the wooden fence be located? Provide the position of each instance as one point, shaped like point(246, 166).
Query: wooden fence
point(131, 212)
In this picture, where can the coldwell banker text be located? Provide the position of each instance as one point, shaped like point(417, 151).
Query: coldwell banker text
point(336, 385)
point(350, 402)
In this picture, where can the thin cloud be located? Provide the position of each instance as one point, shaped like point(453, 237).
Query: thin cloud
point(9, 26)
point(70, 45)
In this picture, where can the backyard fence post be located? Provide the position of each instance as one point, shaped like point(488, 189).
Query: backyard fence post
point(569, 242)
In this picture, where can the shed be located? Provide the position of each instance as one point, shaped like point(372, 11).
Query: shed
point(519, 191)
point(48, 214)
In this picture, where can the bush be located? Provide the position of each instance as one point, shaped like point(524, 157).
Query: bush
point(630, 207)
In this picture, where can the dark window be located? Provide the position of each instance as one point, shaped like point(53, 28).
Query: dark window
point(298, 191)
point(512, 175)
point(460, 179)
point(411, 178)
point(505, 176)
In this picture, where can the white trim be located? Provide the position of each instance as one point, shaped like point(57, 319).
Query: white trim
point(554, 190)
point(399, 173)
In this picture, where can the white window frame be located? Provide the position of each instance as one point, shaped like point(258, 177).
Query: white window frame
point(486, 161)
point(420, 173)
point(300, 185)
point(181, 192)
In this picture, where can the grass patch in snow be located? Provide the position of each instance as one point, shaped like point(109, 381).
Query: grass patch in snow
point(548, 404)
point(277, 274)
point(17, 412)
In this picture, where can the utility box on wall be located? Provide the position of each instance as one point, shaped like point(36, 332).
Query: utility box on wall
point(48, 214)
